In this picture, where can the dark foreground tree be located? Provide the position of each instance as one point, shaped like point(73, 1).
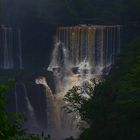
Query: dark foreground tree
point(11, 123)
point(113, 111)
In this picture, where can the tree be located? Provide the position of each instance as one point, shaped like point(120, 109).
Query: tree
point(11, 123)
point(79, 98)
point(113, 109)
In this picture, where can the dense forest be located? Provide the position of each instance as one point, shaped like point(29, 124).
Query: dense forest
point(113, 112)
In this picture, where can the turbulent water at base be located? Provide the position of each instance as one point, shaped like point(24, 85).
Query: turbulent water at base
point(80, 53)
point(10, 48)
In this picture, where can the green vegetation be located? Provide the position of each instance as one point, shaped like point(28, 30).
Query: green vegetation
point(113, 111)
point(11, 123)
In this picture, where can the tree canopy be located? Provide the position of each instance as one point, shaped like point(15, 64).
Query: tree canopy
point(113, 109)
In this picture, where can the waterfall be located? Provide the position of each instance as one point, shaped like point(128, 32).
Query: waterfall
point(29, 106)
point(20, 50)
point(92, 46)
point(50, 112)
point(10, 48)
point(30, 110)
point(97, 44)
point(31, 118)
point(6, 53)
point(81, 53)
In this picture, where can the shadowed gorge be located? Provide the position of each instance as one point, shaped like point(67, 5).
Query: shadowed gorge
point(69, 69)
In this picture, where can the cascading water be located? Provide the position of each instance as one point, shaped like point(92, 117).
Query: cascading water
point(10, 48)
point(80, 54)
point(6, 58)
point(42, 81)
point(20, 50)
point(51, 109)
point(30, 110)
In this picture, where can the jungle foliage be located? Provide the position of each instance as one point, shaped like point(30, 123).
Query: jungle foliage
point(11, 124)
point(113, 111)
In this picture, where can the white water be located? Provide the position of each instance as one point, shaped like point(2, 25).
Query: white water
point(29, 106)
point(51, 108)
point(20, 50)
point(80, 54)
point(6, 53)
point(10, 48)
point(30, 110)
point(42, 81)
